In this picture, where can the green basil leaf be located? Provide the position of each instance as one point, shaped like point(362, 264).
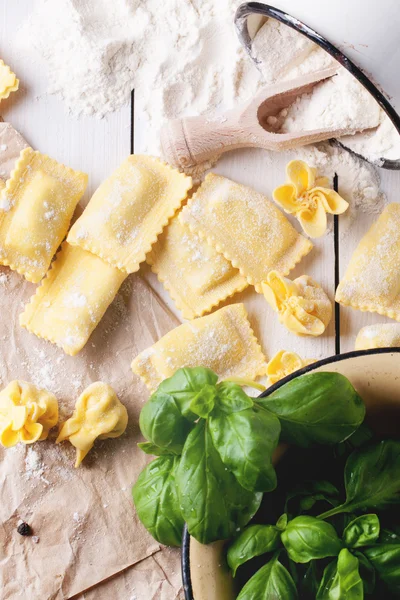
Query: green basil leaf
point(204, 401)
point(307, 538)
point(156, 501)
point(232, 398)
point(341, 579)
point(282, 522)
point(253, 541)
point(271, 582)
point(304, 497)
point(363, 531)
point(372, 478)
point(154, 450)
point(213, 503)
point(185, 384)
point(385, 558)
point(367, 573)
point(245, 441)
point(321, 408)
point(162, 423)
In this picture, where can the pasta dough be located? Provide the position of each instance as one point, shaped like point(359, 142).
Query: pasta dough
point(26, 413)
point(72, 299)
point(36, 208)
point(197, 276)
point(98, 414)
point(283, 364)
point(372, 279)
point(245, 227)
point(129, 210)
point(8, 81)
point(302, 304)
point(381, 335)
point(222, 341)
point(308, 198)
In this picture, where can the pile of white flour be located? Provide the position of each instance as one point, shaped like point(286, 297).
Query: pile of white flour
point(181, 56)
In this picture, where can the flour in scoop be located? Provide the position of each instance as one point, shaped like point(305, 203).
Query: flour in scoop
point(340, 102)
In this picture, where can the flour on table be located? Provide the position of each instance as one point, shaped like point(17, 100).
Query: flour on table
point(182, 56)
point(358, 181)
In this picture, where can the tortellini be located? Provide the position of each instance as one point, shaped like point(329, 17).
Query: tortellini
point(302, 305)
point(98, 414)
point(283, 364)
point(381, 335)
point(308, 198)
point(27, 413)
point(8, 81)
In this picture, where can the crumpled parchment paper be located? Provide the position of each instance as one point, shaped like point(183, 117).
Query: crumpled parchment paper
point(85, 528)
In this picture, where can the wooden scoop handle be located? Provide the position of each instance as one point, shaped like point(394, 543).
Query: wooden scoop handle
point(193, 140)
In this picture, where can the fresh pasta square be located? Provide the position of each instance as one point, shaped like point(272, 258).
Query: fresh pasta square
point(372, 279)
point(197, 277)
point(129, 210)
point(36, 208)
point(222, 341)
point(72, 299)
point(245, 227)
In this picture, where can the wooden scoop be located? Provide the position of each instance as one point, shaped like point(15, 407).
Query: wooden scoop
point(191, 141)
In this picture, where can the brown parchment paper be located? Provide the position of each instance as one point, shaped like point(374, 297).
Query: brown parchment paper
point(87, 540)
point(11, 144)
point(83, 520)
point(155, 578)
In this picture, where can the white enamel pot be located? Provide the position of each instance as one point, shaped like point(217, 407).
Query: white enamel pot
point(376, 376)
point(362, 35)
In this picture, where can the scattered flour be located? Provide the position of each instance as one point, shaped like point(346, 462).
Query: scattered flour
point(359, 181)
point(183, 56)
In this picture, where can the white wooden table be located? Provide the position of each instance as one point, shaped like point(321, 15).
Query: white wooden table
point(98, 146)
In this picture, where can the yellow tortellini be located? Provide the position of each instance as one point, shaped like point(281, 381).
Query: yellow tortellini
point(381, 335)
point(308, 198)
point(98, 414)
point(302, 305)
point(284, 363)
point(27, 413)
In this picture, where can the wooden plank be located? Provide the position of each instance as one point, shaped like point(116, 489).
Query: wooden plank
point(352, 320)
point(264, 170)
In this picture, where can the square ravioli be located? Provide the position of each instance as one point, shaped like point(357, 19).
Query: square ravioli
point(129, 210)
point(194, 273)
point(72, 299)
point(222, 341)
point(36, 208)
point(372, 279)
point(245, 227)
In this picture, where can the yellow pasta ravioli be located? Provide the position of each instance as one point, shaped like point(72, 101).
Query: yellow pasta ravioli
point(283, 363)
point(72, 299)
point(222, 341)
point(245, 227)
point(195, 274)
point(302, 305)
point(98, 414)
point(372, 279)
point(27, 413)
point(36, 208)
point(380, 335)
point(8, 81)
point(129, 210)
